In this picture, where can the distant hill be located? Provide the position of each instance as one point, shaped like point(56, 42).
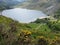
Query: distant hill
point(8, 3)
point(47, 6)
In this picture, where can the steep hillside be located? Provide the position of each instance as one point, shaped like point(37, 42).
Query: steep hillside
point(7, 21)
point(15, 33)
point(47, 6)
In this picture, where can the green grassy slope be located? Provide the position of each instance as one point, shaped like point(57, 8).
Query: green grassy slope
point(13, 30)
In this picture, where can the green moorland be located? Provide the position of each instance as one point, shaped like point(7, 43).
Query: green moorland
point(40, 32)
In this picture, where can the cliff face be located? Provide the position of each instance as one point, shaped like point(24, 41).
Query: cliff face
point(47, 6)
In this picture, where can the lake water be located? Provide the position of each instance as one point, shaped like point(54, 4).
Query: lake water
point(23, 15)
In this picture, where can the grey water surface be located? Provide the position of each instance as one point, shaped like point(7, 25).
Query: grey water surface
point(23, 15)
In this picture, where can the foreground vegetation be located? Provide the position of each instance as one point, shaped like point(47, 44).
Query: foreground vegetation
point(41, 32)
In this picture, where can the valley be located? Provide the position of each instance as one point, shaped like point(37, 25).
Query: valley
point(31, 22)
